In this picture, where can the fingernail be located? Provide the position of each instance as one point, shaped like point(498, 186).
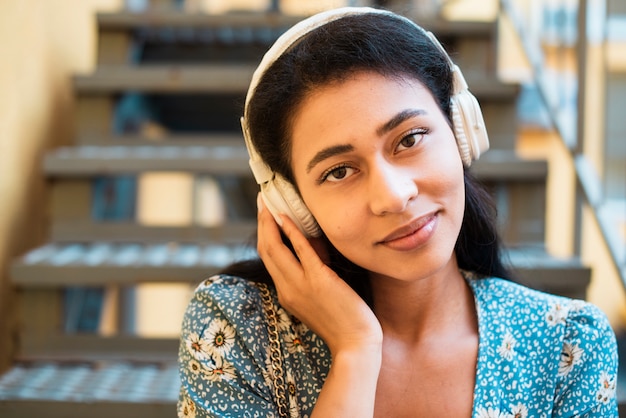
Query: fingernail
point(259, 202)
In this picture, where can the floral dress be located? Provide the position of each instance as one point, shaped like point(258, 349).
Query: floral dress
point(539, 355)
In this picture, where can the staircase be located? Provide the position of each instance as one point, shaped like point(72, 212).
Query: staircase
point(166, 96)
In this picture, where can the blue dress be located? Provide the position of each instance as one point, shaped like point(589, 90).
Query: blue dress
point(539, 355)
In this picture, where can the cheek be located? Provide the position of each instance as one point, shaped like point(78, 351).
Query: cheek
point(447, 166)
point(340, 222)
point(459, 203)
point(455, 185)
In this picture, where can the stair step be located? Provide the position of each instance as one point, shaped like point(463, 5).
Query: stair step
point(92, 160)
point(224, 78)
point(216, 78)
point(94, 348)
point(186, 140)
point(101, 263)
point(129, 232)
point(561, 276)
point(153, 37)
point(506, 165)
point(244, 37)
point(98, 389)
point(125, 20)
point(222, 158)
point(97, 263)
point(128, 21)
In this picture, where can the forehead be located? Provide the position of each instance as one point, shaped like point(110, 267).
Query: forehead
point(346, 101)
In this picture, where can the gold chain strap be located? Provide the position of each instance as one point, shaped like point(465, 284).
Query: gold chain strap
point(276, 357)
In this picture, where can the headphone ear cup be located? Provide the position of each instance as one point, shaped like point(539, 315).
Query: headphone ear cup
point(280, 197)
point(469, 126)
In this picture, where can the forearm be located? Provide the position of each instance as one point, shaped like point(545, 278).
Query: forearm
point(350, 388)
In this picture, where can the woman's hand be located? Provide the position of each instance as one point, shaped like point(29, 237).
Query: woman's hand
point(312, 291)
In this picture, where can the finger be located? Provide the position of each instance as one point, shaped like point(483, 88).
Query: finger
point(268, 230)
point(278, 259)
point(301, 245)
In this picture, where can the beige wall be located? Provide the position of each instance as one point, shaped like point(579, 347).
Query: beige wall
point(42, 42)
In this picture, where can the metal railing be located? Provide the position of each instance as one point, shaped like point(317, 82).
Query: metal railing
point(558, 37)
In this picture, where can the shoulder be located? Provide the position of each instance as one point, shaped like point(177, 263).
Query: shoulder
point(520, 304)
point(496, 290)
point(223, 288)
point(568, 342)
point(533, 305)
point(223, 297)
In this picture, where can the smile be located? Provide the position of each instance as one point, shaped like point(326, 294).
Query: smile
point(412, 235)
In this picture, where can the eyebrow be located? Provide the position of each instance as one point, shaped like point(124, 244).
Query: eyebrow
point(327, 153)
point(392, 123)
point(398, 119)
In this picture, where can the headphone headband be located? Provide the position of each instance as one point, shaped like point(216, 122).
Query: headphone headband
point(302, 28)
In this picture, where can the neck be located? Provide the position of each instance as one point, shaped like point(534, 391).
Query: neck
point(438, 305)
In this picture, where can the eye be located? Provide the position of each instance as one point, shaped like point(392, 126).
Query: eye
point(412, 138)
point(336, 173)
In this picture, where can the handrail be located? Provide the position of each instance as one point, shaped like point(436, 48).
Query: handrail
point(588, 180)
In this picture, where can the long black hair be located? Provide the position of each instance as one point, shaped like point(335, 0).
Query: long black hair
point(388, 46)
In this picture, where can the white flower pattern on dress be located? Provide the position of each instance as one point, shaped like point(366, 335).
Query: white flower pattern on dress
point(607, 387)
point(294, 343)
point(292, 395)
point(195, 367)
point(550, 355)
point(516, 411)
point(557, 314)
point(577, 305)
point(284, 319)
point(519, 411)
point(220, 337)
point(507, 348)
point(197, 346)
point(187, 409)
point(218, 370)
point(570, 356)
point(490, 413)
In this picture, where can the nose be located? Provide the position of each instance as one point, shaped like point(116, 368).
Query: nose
point(391, 188)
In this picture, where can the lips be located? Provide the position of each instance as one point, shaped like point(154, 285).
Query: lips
point(413, 234)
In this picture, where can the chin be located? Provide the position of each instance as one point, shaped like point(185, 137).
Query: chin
point(411, 267)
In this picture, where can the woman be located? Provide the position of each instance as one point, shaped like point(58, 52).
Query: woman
point(383, 281)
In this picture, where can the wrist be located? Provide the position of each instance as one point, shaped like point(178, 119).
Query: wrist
point(350, 389)
point(362, 359)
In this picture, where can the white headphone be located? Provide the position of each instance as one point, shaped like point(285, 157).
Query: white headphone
point(279, 195)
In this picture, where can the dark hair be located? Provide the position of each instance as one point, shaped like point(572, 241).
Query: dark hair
point(390, 47)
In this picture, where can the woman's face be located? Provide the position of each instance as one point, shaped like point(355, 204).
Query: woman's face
point(377, 165)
